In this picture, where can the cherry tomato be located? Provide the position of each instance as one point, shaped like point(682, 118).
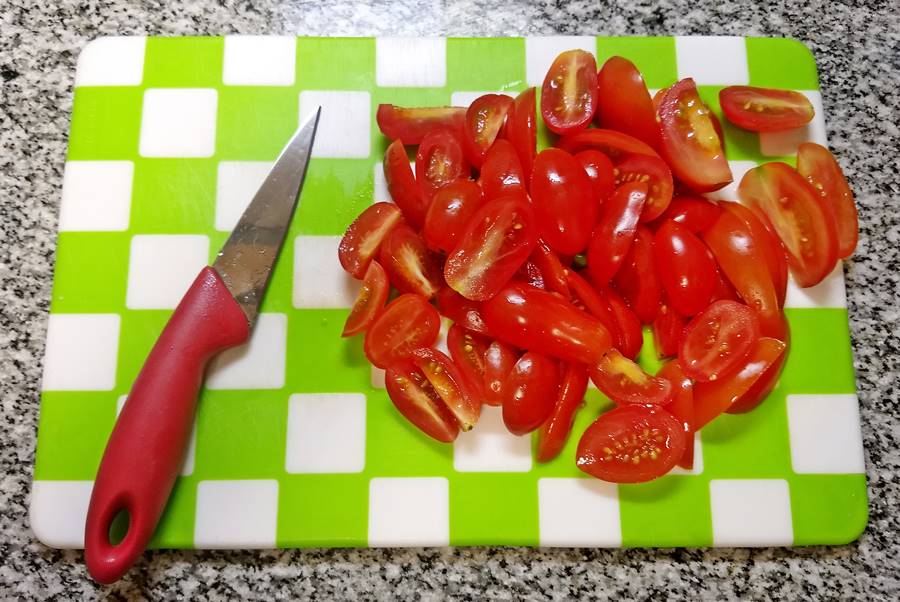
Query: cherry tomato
point(364, 237)
point(410, 125)
point(631, 444)
point(690, 143)
point(529, 391)
point(668, 329)
point(402, 185)
point(467, 350)
point(497, 241)
point(552, 270)
point(655, 174)
point(546, 323)
point(682, 407)
point(521, 128)
point(407, 323)
point(625, 382)
point(765, 109)
point(629, 324)
point(439, 161)
point(614, 233)
point(410, 266)
point(370, 300)
point(615, 145)
point(484, 118)
point(586, 297)
point(465, 312)
point(760, 389)
point(818, 165)
point(569, 93)
point(686, 268)
point(451, 386)
point(498, 362)
point(599, 170)
point(501, 173)
point(717, 339)
point(637, 279)
point(724, 290)
point(625, 103)
point(694, 213)
point(569, 397)
point(531, 275)
point(769, 243)
point(449, 212)
point(418, 401)
point(563, 204)
point(800, 217)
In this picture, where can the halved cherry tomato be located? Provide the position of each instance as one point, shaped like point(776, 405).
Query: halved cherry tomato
point(717, 339)
point(569, 397)
point(637, 279)
point(416, 399)
point(450, 210)
point(467, 349)
point(724, 290)
point(586, 297)
point(484, 118)
point(631, 444)
point(614, 233)
point(521, 128)
point(629, 324)
point(369, 301)
point(765, 109)
point(690, 143)
point(465, 312)
point(599, 170)
point(668, 329)
point(447, 379)
point(624, 382)
point(410, 125)
point(694, 213)
point(686, 268)
point(655, 174)
point(402, 185)
point(563, 203)
point(760, 389)
point(769, 243)
point(569, 94)
point(497, 241)
point(501, 173)
point(407, 323)
point(498, 361)
point(439, 161)
point(611, 143)
point(714, 397)
point(682, 407)
point(800, 217)
point(818, 165)
point(552, 270)
point(364, 237)
point(529, 391)
point(544, 322)
point(625, 103)
point(410, 265)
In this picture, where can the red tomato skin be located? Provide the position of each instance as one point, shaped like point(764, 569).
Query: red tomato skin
point(521, 129)
point(365, 235)
point(560, 191)
point(724, 325)
point(600, 171)
point(653, 171)
point(615, 145)
point(554, 432)
point(585, 296)
point(484, 120)
point(448, 214)
point(371, 299)
point(615, 230)
point(759, 390)
point(769, 244)
point(624, 382)
point(575, 71)
point(499, 360)
point(625, 103)
point(552, 270)
point(668, 328)
point(450, 384)
point(629, 324)
point(724, 291)
point(821, 169)
point(531, 275)
point(410, 125)
point(543, 322)
point(529, 392)
point(686, 268)
point(694, 213)
point(764, 109)
point(402, 185)
point(407, 323)
point(427, 412)
point(682, 407)
point(439, 161)
point(467, 350)
point(637, 279)
point(411, 268)
point(501, 173)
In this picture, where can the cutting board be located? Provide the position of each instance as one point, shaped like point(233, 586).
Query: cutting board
point(296, 443)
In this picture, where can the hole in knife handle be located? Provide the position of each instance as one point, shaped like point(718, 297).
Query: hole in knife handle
point(118, 527)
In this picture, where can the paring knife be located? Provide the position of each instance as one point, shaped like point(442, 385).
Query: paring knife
point(147, 445)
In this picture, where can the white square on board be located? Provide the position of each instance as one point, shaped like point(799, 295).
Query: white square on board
point(259, 60)
point(411, 62)
point(236, 514)
point(409, 511)
point(319, 281)
point(825, 434)
point(489, 447)
point(376, 377)
point(187, 467)
point(162, 267)
point(464, 99)
point(751, 512)
point(178, 122)
point(96, 195)
point(730, 192)
point(257, 364)
point(81, 352)
point(344, 130)
point(578, 512)
point(326, 433)
point(830, 292)
point(236, 185)
point(58, 512)
point(380, 191)
point(698, 458)
point(111, 61)
point(540, 52)
point(712, 60)
point(785, 143)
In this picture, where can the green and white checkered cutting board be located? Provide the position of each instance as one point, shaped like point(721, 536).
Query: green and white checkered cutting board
point(296, 443)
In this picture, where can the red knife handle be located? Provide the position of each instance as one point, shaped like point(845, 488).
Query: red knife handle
point(146, 448)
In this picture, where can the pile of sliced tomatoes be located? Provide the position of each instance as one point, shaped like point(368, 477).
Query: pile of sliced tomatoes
point(550, 263)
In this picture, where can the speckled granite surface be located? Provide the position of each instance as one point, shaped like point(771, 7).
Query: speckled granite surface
point(857, 47)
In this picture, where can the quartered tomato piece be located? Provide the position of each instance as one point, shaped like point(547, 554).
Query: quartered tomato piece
point(614, 233)
point(484, 118)
point(465, 312)
point(625, 382)
point(529, 393)
point(760, 389)
point(629, 324)
point(439, 161)
point(447, 379)
point(637, 279)
point(685, 267)
point(625, 103)
point(364, 237)
point(765, 109)
point(410, 125)
point(450, 210)
point(682, 407)
point(501, 173)
point(668, 328)
point(410, 266)
point(563, 203)
point(716, 340)
point(402, 185)
point(690, 143)
point(694, 213)
point(818, 165)
point(499, 359)
point(569, 397)
point(769, 243)
point(467, 350)
point(655, 174)
point(631, 444)
point(407, 323)
point(369, 301)
point(569, 93)
point(552, 270)
point(599, 170)
point(611, 143)
point(521, 128)
point(801, 218)
point(418, 401)
point(586, 297)
point(497, 241)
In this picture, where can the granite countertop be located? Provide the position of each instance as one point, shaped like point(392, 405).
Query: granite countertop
point(857, 48)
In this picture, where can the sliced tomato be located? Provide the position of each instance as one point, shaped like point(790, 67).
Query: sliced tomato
point(694, 213)
point(631, 444)
point(449, 212)
point(585, 296)
point(531, 275)
point(402, 185)
point(467, 350)
point(418, 401)
point(499, 358)
point(717, 339)
point(465, 312)
point(637, 280)
point(682, 407)
point(611, 143)
point(410, 125)
point(554, 432)
point(614, 233)
point(521, 128)
point(625, 103)
point(624, 382)
point(407, 323)
point(724, 290)
point(364, 237)
point(629, 324)
point(690, 143)
point(447, 379)
point(668, 329)
point(439, 161)
point(501, 173)
point(818, 165)
point(544, 322)
point(765, 109)
point(552, 270)
point(569, 94)
point(484, 119)
point(563, 203)
point(497, 241)
point(370, 300)
point(773, 251)
point(800, 217)
point(760, 389)
point(686, 268)
point(529, 391)
point(653, 172)
point(410, 266)
point(599, 170)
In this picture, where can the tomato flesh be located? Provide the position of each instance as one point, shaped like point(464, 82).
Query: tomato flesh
point(449, 213)
point(407, 323)
point(410, 125)
point(694, 213)
point(717, 339)
point(563, 204)
point(484, 119)
point(501, 173)
point(599, 170)
point(554, 432)
point(686, 268)
point(769, 244)
point(402, 185)
point(499, 359)
point(462, 311)
point(521, 128)
point(624, 382)
point(655, 174)
point(625, 103)
point(529, 391)
point(615, 145)
point(818, 165)
point(417, 400)
point(668, 329)
point(467, 350)
point(450, 384)
point(615, 230)
point(765, 109)
point(439, 161)
point(364, 237)
point(569, 94)
point(411, 268)
point(682, 407)
point(637, 279)
point(371, 298)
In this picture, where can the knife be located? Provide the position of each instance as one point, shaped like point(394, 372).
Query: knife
point(146, 448)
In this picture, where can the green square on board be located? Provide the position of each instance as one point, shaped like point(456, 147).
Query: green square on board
point(481, 512)
point(820, 359)
point(334, 193)
point(781, 63)
point(486, 64)
point(315, 364)
point(323, 510)
point(654, 57)
point(91, 272)
point(185, 62)
point(176, 526)
point(335, 63)
point(670, 511)
point(828, 509)
point(174, 196)
point(73, 429)
point(254, 124)
point(106, 123)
